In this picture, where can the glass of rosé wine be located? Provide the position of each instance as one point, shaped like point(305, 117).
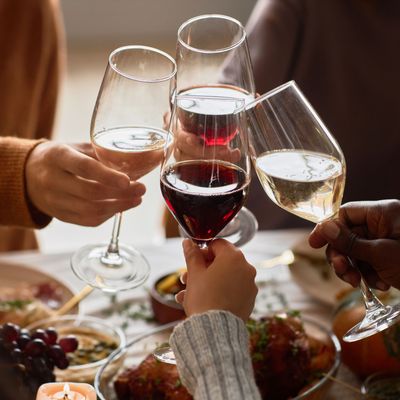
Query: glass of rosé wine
point(205, 190)
point(128, 135)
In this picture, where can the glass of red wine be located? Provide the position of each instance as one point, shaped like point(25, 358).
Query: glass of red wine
point(127, 134)
point(213, 60)
point(206, 189)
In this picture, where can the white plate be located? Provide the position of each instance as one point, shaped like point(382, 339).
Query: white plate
point(13, 275)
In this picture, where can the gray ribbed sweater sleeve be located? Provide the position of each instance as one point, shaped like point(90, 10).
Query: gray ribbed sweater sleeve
point(213, 359)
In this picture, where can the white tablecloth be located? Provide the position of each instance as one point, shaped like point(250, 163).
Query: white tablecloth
point(168, 257)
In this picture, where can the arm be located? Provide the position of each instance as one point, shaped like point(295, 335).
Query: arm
point(212, 346)
point(274, 32)
point(40, 180)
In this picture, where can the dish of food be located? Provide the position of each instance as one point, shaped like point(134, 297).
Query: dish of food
point(307, 350)
point(97, 341)
point(315, 276)
point(162, 298)
point(33, 299)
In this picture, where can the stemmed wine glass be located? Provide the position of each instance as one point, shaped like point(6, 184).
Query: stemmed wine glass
point(302, 169)
point(205, 189)
point(213, 60)
point(127, 134)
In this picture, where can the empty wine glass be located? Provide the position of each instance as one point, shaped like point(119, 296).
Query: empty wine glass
point(127, 134)
point(213, 60)
point(206, 185)
point(302, 169)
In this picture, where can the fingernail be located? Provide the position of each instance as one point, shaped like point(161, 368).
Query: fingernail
point(382, 285)
point(176, 298)
point(330, 230)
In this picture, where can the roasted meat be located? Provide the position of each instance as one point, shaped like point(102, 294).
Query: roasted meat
point(280, 354)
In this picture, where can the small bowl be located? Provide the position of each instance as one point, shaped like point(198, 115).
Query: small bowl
point(165, 308)
point(382, 386)
point(140, 347)
point(72, 324)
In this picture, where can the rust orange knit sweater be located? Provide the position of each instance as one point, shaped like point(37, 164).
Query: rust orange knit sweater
point(30, 64)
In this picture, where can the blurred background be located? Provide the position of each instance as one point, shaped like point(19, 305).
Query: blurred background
point(93, 29)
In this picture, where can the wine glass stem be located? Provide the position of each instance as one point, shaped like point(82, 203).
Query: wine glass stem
point(372, 303)
point(112, 256)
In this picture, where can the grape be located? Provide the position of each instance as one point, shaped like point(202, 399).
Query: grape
point(10, 332)
point(35, 347)
point(69, 344)
point(23, 340)
point(58, 356)
point(27, 360)
point(52, 335)
point(41, 334)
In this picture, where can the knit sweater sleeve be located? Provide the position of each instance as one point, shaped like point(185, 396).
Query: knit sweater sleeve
point(15, 207)
point(213, 359)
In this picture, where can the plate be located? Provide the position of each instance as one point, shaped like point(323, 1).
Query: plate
point(315, 276)
point(14, 275)
point(140, 347)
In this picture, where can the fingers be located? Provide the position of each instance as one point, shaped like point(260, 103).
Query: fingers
point(82, 165)
point(180, 297)
point(194, 257)
point(91, 190)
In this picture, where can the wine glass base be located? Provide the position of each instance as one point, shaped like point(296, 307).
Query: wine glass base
point(131, 271)
point(373, 323)
point(164, 354)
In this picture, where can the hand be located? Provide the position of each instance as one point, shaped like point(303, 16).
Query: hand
point(368, 232)
point(221, 279)
point(69, 183)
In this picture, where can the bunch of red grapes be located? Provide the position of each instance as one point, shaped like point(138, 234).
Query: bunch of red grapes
point(27, 359)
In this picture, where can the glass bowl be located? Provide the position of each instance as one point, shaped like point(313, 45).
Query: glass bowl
point(382, 386)
point(89, 327)
point(140, 347)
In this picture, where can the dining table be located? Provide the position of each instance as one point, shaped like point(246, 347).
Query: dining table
point(132, 311)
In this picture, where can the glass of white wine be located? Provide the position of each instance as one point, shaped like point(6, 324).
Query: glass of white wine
point(127, 134)
point(302, 169)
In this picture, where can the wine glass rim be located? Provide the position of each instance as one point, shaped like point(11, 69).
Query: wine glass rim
point(136, 78)
point(215, 51)
point(272, 92)
point(242, 102)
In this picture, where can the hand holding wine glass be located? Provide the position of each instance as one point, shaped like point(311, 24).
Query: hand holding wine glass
point(205, 193)
point(368, 231)
point(127, 135)
point(302, 169)
point(224, 283)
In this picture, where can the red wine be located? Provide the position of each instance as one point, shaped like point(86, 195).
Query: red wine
point(213, 121)
point(204, 196)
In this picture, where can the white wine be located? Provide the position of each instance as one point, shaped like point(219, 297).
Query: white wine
point(305, 183)
point(130, 149)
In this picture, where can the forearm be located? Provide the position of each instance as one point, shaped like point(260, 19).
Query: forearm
point(15, 207)
point(213, 359)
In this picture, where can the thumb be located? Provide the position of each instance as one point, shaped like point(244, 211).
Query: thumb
point(194, 257)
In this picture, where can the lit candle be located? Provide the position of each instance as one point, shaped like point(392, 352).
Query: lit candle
point(66, 391)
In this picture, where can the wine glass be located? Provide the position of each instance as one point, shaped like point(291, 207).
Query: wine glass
point(213, 60)
point(204, 190)
point(127, 135)
point(302, 169)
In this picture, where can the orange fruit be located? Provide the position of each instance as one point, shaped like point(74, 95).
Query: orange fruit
point(377, 353)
